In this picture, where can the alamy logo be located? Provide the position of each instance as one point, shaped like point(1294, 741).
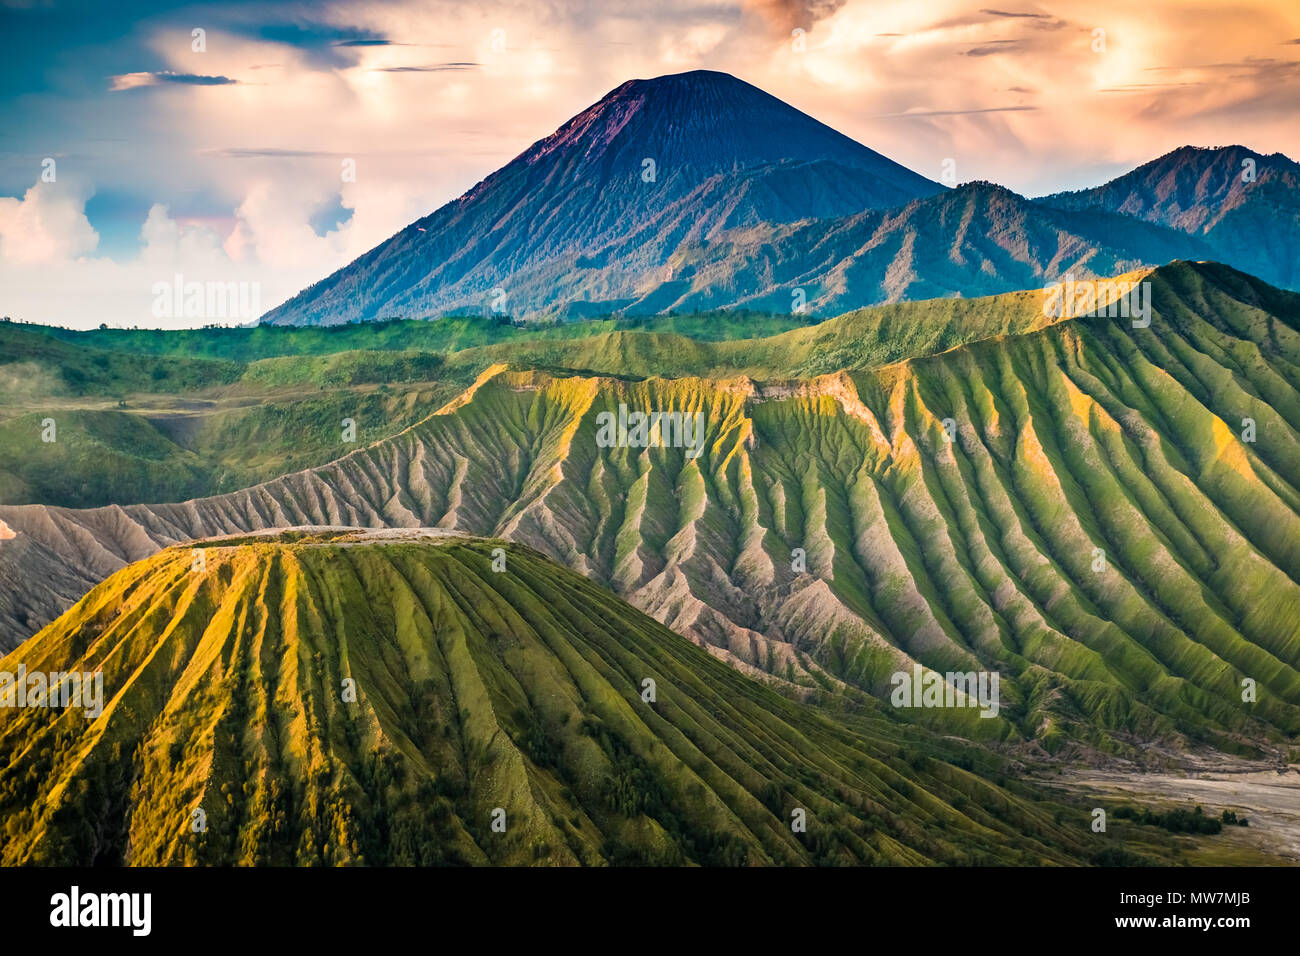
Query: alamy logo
point(74, 908)
point(206, 300)
point(651, 430)
point(55, 689)
point(923, 688)
point(1110, 297)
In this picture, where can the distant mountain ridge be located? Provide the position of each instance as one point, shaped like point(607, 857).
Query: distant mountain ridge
point(1243, 204)
point(698, 190)
point(975, 240)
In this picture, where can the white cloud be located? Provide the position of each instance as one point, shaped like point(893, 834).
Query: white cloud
point(65, 287)
point(263, 153)
point(48, 224)
point(47, 274)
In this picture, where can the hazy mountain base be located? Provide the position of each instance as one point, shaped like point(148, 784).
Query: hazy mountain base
point(478, 692)
point(974, 554)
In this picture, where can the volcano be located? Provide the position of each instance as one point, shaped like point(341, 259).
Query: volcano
point(417, 697)
point(585, 220)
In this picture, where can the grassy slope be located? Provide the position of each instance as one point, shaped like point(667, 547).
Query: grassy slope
point(211, 410)
point(442, 336)
point(142, 427)
point(477, 690)
point(975, 554)
point(862, 339)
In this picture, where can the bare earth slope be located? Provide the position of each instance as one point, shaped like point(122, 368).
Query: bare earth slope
point(1097, 529)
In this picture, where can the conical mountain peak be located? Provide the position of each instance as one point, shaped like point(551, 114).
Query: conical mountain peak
point(575, 223)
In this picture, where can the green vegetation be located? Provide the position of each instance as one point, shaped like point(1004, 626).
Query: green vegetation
point(37, 362)
point(140, 427)
point(976, 554)
point(188, 413)
point(151, 415)
point(442, 336)
point(1178, 820)
point(226, 691)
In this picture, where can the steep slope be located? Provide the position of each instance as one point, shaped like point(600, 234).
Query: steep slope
point(1097, 531)
point(978, 239)
point(284, 411)
point(585, 214)
point(340, 697)
point(1244, 204)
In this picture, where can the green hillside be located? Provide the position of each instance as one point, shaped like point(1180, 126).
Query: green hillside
point(1097, 530)
point(225, 691)
point(450, 334)
point(132, 426)
point(862, 339)
point(189, 413)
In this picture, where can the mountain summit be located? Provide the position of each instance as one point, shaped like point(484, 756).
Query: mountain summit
point(1245, 205)
point(591, 214)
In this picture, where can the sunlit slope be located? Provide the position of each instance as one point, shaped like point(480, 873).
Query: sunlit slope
point(861, 339)
point(271, 400)
point(1097, 531)
point(520, 690)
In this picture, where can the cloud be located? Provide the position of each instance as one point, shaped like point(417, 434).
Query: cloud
point(785, 15)
point(310, 35)
point(909, 114)
point(1026, 16)
point(1144, 87)
point(994, 47)
point(45, 241)
point(237, 152)
point(323, 45)
point(432, 68)
point(50, 273)
point(48, 225)
point(132, 81)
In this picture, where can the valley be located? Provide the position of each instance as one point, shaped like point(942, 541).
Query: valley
point(1268, 798)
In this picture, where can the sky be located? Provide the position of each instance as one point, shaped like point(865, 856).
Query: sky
point(146, 145)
